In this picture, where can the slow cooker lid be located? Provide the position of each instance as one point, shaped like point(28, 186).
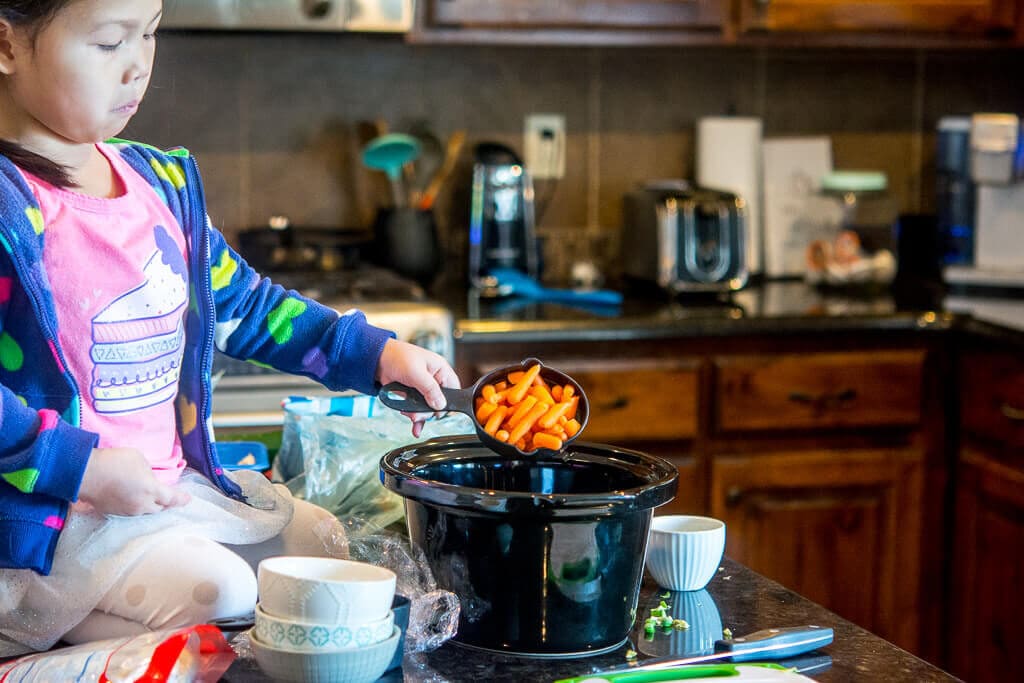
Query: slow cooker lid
point(588, 479)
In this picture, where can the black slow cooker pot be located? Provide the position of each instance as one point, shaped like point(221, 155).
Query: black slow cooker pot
point(545, 554)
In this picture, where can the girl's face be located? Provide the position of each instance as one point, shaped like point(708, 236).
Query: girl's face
point(87, 71)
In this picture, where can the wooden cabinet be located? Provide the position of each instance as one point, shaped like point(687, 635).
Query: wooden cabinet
point(988, 559)
point(841, 527)
point(970, 17)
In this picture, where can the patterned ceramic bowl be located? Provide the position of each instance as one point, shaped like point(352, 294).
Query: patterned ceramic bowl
point(324, 590)
point(300, 636)
point(357, 665)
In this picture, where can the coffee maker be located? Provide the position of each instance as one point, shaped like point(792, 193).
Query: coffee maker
point(997, 171)
point(501, 225)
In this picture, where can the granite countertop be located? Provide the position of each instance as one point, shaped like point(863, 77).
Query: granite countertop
point(784, 307)
point(737, 598)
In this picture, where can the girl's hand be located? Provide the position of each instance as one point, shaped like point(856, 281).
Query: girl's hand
point(420, 369)
point(119, 481)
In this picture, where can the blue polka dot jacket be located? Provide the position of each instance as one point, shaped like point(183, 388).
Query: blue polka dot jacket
point(43, 451)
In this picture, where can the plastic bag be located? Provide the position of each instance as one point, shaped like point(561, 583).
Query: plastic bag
point(330, 455)
point(185, 655)
point(331, 449)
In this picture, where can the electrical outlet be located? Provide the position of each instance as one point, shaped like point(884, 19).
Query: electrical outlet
point(544, 145)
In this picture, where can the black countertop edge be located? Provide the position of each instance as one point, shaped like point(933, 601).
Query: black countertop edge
point(632, 329)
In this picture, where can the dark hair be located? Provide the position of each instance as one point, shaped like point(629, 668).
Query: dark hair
point(34, 15)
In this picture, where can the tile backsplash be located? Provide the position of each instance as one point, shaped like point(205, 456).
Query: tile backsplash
point(272, 119)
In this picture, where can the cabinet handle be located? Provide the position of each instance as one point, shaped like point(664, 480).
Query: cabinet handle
point(824, 401)
point(1012, 413)
point(618, 404)
point(733, 496)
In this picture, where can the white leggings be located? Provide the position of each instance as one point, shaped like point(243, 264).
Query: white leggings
point(188, 579)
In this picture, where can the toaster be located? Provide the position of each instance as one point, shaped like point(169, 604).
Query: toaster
point(684, 238)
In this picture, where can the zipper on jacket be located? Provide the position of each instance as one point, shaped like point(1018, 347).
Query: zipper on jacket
point(201, 236)
point(48, 331)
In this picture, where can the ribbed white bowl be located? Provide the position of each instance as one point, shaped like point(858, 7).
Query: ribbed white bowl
point(359, 665)
point(684, 551)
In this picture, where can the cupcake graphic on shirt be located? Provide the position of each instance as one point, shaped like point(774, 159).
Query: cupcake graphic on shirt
point(137, 340)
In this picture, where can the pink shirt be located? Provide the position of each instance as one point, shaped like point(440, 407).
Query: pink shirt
point(120, 284)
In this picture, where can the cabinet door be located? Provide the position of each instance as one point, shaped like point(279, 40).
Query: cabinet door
point(840, 527)
point(988, 571)
point(973, 17)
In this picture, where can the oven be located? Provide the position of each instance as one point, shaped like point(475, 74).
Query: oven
point(248, 397)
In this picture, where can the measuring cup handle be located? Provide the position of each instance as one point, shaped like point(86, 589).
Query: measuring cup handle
point(408, 400)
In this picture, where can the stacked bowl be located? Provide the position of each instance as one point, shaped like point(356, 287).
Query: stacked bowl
point(324, 620)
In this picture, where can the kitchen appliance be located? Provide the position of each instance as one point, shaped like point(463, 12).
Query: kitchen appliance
point(997, 169)
point(249, 395)
point(684, 238)
point(954, 190)
point(544, 552)
point(388, 16)
point(501, 221)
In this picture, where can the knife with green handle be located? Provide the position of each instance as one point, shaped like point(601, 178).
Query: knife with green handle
point(769, 644)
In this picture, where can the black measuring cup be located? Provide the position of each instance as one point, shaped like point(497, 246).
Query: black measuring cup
point(406, 399)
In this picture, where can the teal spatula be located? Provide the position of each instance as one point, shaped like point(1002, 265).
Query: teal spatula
point(521, 284)
point(389, 153)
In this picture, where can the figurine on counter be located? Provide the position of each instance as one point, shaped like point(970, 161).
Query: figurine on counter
point(116, 517)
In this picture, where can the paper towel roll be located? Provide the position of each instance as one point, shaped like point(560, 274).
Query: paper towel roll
point(729, 158)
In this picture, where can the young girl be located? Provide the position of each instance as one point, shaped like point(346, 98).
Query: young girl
point(115, 515)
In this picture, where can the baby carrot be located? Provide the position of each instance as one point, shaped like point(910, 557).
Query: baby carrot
point(520, 410)
point(501, 435)
point(550, 418)
point(515, 376)
point(541, 393)
point(524, 425)
point(571, 427)
point(484, 410)
point(519, 389)
point(556, 392)
point(487, 392)
point(575, 401)
point(568, 391)
point(542, 440)
point(494, 421)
